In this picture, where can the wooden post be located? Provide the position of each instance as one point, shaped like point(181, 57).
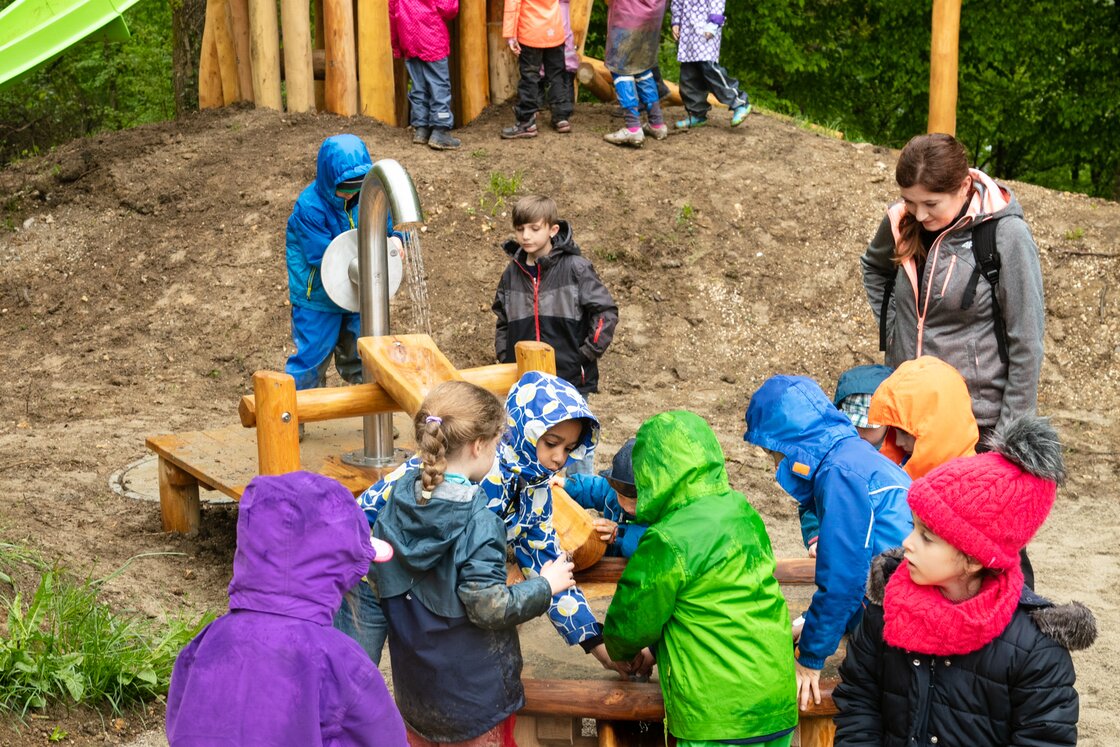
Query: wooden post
point(376, 84)
point(943, 57)
point(474, 76)
point(178, 498)
point(238, 11)
point(264, 49)
point(503, 65)
point(209, 70)
point(277, 423)
point(227, 51)
point(534, 356)
point(342, 72)
point(608, 737)
point(816, 731)
point(320, 47)
point(298, 78)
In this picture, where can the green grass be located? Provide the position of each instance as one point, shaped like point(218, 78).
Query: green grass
point(61, 644)
point(501, 187)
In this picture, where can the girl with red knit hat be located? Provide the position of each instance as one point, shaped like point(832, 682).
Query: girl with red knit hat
point(954, 649)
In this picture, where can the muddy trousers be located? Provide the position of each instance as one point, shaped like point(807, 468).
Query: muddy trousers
point(318, 335)
point(635, 93)
point(698, 79)
point(529, 63)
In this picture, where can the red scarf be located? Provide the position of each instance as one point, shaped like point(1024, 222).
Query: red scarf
point(920, 619)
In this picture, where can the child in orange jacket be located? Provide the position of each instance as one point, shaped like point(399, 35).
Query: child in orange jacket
point(534, 31)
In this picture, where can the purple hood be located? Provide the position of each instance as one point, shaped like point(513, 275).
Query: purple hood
point(302, 543)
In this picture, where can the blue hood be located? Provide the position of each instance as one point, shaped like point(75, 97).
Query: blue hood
point(302, 542)
point(535, 403)
point(341, 157)
point(793, 416)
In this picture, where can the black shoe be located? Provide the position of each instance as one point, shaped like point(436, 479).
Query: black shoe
point(420, 135)
point(520, 130)
point(441, 139)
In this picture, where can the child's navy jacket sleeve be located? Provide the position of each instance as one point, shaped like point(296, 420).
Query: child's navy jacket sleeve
point(844, 555)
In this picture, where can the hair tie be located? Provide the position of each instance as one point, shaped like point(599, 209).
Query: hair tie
point(434, 419)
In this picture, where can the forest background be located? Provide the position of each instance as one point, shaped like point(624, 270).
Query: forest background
point(1039, 96)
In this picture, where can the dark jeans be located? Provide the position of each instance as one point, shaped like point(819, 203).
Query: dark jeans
point(698, 79)
point(430, 96)
point(555, 77)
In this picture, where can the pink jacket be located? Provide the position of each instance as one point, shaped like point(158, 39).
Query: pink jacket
point(419, 28)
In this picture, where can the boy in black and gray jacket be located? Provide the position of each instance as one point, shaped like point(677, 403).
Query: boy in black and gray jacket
point(551, 293)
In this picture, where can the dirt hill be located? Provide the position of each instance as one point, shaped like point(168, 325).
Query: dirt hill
point(144, 283)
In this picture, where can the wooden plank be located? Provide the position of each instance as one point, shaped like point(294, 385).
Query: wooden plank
point(299, 80)
point(320, 49)
point(227, 51)
point(209, 70)
point(376, 74)
point(238, 11)
point(817, 731)
point(178, 498)
point(791, 571)
point(473, 54)
point(342, 71)
point(503, 65)
point(943, 62)
point(277, 424)
point(264, 50)
point(620, 700)
point(407, 367)
point(330, 403)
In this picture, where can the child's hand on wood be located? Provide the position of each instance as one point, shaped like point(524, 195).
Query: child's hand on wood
point(642, 665)
point(558, 573)
point(606, 529)
point(808, 685)
point(600, 653)
point(556, 481)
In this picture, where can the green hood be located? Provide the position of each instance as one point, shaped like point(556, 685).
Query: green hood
point(677, 460)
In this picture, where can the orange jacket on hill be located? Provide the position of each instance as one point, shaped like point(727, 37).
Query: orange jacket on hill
point(534, 23)
point(928, 399)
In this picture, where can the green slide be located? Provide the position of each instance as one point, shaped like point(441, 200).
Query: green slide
point(35, 31)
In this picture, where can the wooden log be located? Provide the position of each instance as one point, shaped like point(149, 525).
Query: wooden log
point(594, 74)
point(817, 731)
point(608, 737)
point(277, 423)
point(943, 60)
point(264, 51)
point(376, 78)
point(226, 49)
point(342, 72)
point(209, 71)
point(579, 14)
point(619, 700)
point(790, 571)
point(534, 356)
point(473, 54)
point(332, 403)
point(503, 65)
point(575, 531)
point(320, 48)
point(299, 80)
point(407, 367)
point(238, 11)
point(178, 498)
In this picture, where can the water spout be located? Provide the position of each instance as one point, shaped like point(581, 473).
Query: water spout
point(386, 185)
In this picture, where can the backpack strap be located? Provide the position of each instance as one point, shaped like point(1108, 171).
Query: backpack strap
point(888, 290)
point(987, 264)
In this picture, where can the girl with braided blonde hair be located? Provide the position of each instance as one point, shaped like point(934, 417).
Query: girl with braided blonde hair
point(452, 620)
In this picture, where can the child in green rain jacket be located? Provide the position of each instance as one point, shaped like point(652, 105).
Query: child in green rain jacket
point(700, 592)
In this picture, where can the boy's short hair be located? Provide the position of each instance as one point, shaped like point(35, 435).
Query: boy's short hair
point(533, 208)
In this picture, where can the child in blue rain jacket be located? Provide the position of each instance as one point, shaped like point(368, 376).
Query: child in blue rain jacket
point(857, 494)
point(326, 207)
point(613, 494)
point(540, 407)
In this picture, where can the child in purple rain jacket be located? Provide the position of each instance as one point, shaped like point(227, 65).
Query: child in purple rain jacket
point(273, 671)
point(698, 27)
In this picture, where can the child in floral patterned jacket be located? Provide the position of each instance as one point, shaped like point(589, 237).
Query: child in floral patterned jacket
point(698, 28)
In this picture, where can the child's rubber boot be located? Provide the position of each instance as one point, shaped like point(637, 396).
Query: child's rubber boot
point(520, 130)
point(443, 140)
point(739, 115)
point(657, 132)
point(420, 135)
point(625, 136)
point(691, 122)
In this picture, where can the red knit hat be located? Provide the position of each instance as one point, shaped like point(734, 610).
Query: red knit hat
point(989, 506)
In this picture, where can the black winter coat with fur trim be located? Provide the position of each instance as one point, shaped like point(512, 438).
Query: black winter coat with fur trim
point(1016, 691)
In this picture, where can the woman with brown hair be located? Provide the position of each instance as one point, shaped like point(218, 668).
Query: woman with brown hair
point(953, 272)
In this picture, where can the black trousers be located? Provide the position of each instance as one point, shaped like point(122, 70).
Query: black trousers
point(555, 77)
point(700, 78)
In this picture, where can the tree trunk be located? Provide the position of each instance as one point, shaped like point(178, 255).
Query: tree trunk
point(188, 17)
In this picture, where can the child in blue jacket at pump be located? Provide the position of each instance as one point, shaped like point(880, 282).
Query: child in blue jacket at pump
point(548, 426)
point(858, 495)
point(612, 493)
point(326, 207)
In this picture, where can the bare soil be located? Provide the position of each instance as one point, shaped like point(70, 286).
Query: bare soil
point(144, 283)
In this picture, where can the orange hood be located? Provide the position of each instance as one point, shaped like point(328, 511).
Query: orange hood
point(928, 399)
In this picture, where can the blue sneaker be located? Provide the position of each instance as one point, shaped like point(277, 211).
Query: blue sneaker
point(691, 122)
point(739, 115)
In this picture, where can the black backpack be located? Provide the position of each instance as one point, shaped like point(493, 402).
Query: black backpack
point(987, 264)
